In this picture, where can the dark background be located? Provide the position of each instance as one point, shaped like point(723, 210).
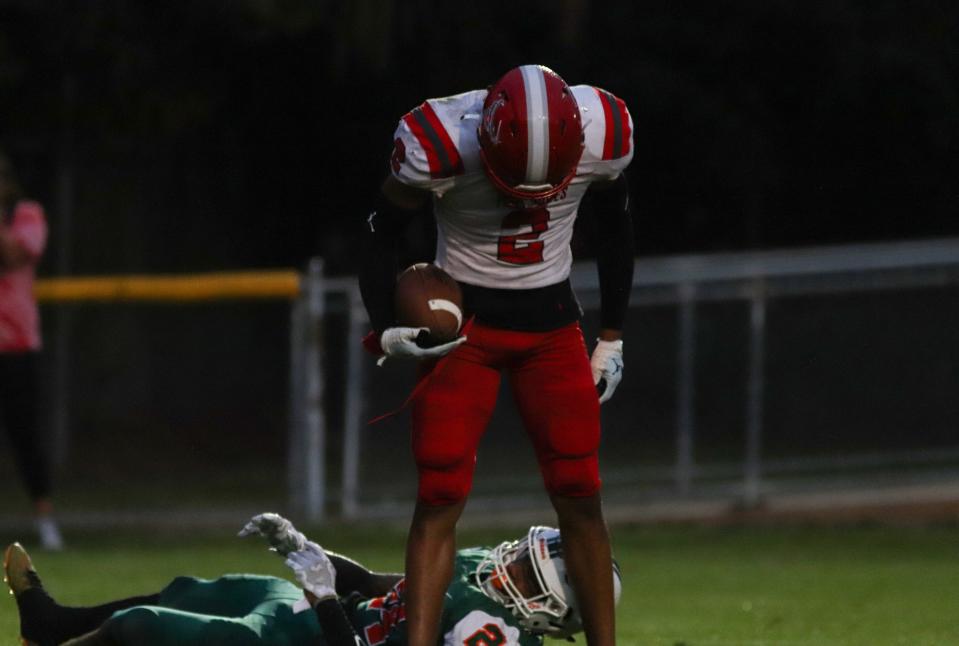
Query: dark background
point(187, 136)
point(209, 135)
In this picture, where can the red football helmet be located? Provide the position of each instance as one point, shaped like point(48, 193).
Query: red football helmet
point(531, 133)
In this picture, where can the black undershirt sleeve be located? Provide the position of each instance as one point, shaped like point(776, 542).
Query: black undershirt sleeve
point(614, 248)
point(383, 230)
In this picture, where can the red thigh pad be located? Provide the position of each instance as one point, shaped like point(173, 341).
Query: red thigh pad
point(449, 417)
point(557, 399)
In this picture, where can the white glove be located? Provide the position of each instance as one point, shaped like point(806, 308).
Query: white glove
point(607, 365)
point(314, 571)
point(280, 533)
point(401, 342)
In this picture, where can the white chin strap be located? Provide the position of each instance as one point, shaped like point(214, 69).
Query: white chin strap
point(533, 188)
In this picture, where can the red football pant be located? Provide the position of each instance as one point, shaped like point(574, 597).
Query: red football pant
point(553, 386)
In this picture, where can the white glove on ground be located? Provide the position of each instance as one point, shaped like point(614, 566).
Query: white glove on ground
point(279, 532)
point(607, 365)
point(314, 571)
point(401, 342)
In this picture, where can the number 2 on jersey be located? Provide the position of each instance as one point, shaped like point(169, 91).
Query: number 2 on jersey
point(488, 635)
point(523, 248)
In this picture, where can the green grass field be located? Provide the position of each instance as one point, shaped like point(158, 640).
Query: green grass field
point(867, 586)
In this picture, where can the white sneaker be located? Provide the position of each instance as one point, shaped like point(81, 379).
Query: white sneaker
point(49, 533)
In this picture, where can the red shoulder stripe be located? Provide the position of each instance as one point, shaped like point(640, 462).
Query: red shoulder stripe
point(616, 144)
point(443, 158)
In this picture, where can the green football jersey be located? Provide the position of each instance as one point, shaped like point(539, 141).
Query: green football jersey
point(246, 609)
point(470, 618)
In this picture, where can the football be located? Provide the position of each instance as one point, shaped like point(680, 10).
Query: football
point(426, 296)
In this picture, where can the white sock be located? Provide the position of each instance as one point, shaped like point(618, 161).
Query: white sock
point(50, 537)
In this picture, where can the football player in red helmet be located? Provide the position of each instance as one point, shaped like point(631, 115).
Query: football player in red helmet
point(505, 170)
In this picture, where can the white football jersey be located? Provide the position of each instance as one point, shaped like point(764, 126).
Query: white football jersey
point(483, 239)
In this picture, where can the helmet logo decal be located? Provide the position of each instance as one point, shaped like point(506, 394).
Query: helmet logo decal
point(537, 124)
point(489, 115)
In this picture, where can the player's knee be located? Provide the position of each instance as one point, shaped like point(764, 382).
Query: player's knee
point(445, 486)
point(573, 477)
point(445, 473)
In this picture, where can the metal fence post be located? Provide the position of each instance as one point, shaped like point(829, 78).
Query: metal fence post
point(295, 471)
point(353, 408)
point(685, 387)
point(66, 202)
point(307, 448)
point(754, 397)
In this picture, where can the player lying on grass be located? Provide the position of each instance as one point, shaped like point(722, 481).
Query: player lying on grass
point(512, 594)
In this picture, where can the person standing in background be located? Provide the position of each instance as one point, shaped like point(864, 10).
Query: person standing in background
point(23, 236)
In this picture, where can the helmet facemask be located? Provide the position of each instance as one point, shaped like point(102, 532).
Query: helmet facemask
point(546, 604)
point(528, 576)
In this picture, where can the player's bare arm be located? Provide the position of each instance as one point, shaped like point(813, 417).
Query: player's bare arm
point(355, 577)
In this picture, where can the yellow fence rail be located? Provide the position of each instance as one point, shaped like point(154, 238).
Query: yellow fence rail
point(269, 284)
